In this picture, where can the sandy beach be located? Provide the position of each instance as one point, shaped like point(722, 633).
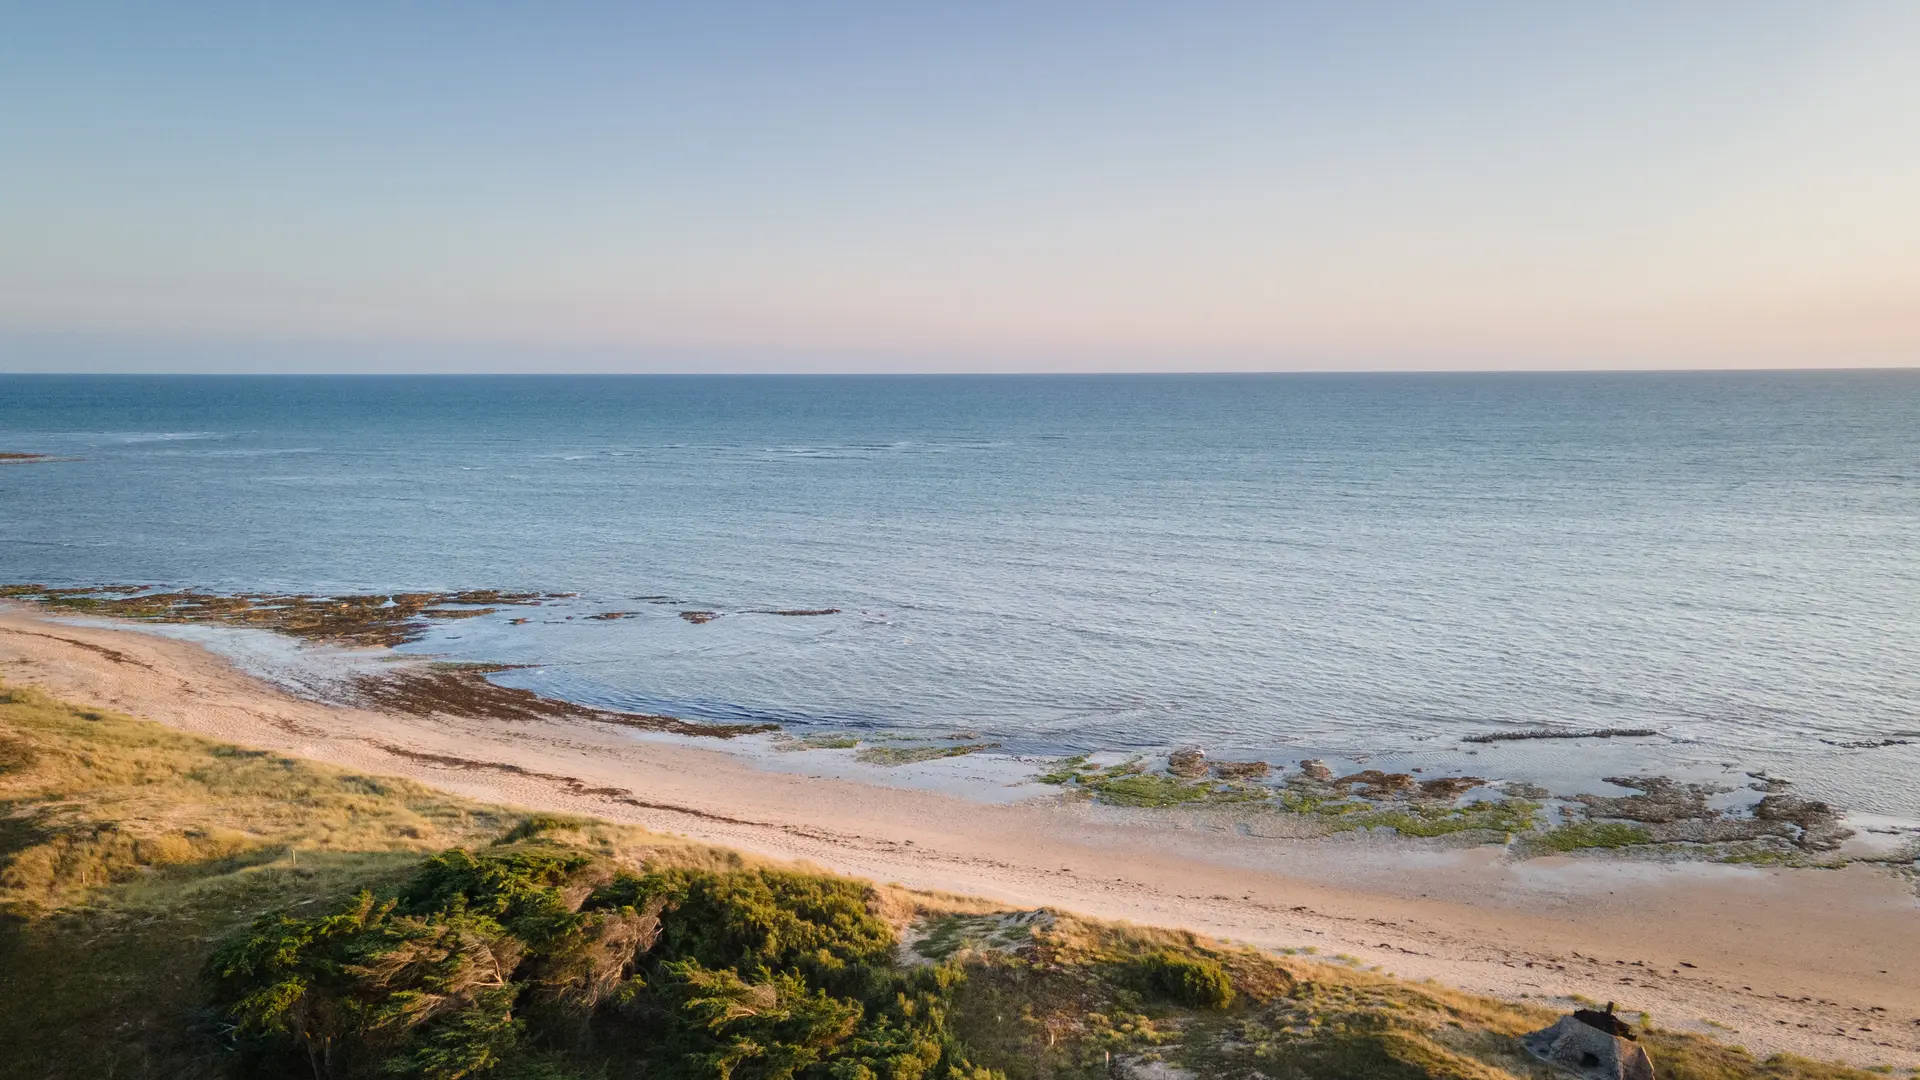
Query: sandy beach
point(1807, 961)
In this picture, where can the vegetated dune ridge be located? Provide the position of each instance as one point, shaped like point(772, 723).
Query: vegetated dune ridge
point(174, 906)
point(1795, 960)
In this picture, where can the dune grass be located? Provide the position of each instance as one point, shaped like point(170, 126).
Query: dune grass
point(169, 900)
point(127, 850)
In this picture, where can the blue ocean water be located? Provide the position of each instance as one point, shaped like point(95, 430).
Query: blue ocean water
point(1255, 564)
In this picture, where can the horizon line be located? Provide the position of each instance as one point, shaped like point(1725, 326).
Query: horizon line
point(1142, 373)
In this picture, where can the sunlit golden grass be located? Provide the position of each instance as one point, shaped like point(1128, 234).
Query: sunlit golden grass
point(90, 799)
point(128, 851)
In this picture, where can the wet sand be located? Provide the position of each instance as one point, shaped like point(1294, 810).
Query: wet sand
point(1807, 961)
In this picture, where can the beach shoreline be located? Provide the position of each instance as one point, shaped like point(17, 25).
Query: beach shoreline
point(1776, 959)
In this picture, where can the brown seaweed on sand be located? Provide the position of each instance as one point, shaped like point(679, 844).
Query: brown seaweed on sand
point(465, 690)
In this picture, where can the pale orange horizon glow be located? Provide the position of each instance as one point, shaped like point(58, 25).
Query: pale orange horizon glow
point(1487, 187)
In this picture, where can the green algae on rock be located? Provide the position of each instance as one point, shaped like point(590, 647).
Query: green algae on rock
point(1367, 799)
point(1662, 818)
point(816, 741)
point(909, 755)
point(1581, 835)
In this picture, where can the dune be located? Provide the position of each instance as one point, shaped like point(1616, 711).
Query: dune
point(1775, 959)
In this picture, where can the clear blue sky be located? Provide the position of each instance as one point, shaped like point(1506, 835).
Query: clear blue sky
point(992, 185)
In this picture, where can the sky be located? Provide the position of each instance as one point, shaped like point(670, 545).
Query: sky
point(994, 186)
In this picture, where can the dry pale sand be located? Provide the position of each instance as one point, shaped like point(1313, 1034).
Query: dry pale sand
point(1813, 962)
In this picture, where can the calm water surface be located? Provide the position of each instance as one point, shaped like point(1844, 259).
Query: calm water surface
point(1260, 564)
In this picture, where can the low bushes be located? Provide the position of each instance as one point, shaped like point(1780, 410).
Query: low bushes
point(1184, 980)
point(539, 953)
point(492, 963)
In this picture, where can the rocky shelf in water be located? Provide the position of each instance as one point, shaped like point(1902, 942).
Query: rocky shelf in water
point(369, 619)
point(1561, 733)
point(464, 690)
point(357, 619)
point(1661, 816)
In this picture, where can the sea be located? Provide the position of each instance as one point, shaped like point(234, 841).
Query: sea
point(1364, 567)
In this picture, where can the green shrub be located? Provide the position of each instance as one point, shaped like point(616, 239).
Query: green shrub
point(536, 825)
point(427, 983)
point(535, 962)
point(1184, 980)
point(810, 924)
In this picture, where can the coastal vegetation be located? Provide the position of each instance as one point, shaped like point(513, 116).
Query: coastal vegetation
point(179, 907)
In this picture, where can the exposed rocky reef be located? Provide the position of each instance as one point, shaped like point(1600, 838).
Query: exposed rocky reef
point(1661, 816)
point(697, 616)
point(817, 741)
point(888, 752)
point(1561, 733)
point(1669, 812)
point(1661, 801)
point(465, 690)
point(361, 619)
point(1242, 770)
point(1188, 764)
point(17, 456)
point(382, 619)
point(908, 755)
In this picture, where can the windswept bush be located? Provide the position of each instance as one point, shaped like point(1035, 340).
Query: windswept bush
point(430, 983)
point(126, 849)
point(491, 963)
point(1184, 980)
point(807, 924)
